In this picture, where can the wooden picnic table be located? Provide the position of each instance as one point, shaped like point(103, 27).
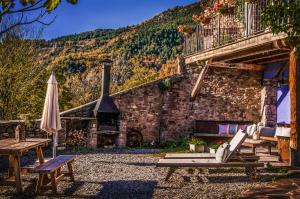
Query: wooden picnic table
point(15, 150)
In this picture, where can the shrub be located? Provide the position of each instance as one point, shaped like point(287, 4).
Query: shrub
point(197, 141)
point(217, 144)
point(164, 85)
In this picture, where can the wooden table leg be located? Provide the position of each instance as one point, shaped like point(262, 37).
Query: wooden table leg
point(53, 182)
point(170, 172)
point(40, 183)
point(71, 174)
point(270, 150)
point(17, 172)
point(254, 149)
point(40, 154)
point(11, 167)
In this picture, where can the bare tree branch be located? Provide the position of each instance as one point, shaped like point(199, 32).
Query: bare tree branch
point(22, 22)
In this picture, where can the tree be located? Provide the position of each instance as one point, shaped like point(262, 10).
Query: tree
point(282, 16)
point(19, 10)
point(22, 79)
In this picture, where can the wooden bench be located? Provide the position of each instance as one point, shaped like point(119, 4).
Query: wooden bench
point(208, 129)
point(53, 167)
point(210, 135)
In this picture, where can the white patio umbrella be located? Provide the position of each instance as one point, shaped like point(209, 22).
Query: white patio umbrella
point(51, 120)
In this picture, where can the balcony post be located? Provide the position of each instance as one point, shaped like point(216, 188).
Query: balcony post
point(294, 84)
point(219, 30)
point(246, 19)
point(197, 38)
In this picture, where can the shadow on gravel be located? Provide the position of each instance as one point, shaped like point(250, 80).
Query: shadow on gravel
point(235, 179)
point(114, 151)
point(127, 189)
point(127, 163)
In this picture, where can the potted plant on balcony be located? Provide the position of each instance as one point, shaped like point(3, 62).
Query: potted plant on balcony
point(205, 17)
point(186, 30)
point(251, 1)
point(213, 148)
point(223, 8)
point(197, 145)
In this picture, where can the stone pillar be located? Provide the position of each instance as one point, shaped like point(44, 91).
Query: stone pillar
point(268, 103)
point(92, 134)
point(62, 135)
point(122, 138)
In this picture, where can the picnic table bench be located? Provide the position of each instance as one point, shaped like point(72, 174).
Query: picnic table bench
point(53, 167)
point(15, 150)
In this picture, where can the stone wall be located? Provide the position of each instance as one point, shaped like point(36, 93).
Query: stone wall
point(7, 129)
point(269, 103)
point(226, 95)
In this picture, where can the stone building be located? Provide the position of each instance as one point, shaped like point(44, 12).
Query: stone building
point(158, 111)
point(159, 114)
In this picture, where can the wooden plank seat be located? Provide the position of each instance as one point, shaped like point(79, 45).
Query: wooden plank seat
point(231, 159)
point(174, 164)
point(53, 167)
point(259, 143)
point(249, 157)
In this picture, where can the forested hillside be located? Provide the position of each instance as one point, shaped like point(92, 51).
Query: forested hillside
point(140, 54)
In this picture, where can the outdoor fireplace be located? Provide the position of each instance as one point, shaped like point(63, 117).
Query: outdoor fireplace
point(107, 113)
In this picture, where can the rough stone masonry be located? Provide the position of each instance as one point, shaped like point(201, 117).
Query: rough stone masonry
point(226, 95)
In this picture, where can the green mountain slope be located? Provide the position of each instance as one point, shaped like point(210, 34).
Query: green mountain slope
point(140, 53)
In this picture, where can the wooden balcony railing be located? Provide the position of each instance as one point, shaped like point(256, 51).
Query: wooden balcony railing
point(225, 29)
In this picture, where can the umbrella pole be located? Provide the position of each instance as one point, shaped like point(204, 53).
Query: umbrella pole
point(54, 144)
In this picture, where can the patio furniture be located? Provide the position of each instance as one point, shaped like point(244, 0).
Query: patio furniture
point(250, 166)
point(283, 135)
point(15, 150)
point(248, 157)
point(209, 155)
point(53, 167)
point(208, 129)
point(259, 143)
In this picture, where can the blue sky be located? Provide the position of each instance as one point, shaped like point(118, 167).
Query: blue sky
point(92, 14)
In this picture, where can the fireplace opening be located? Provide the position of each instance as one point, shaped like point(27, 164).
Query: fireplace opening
point(106, 140)
point(108, 122)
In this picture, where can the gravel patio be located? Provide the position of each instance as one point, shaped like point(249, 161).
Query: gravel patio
point(131, 173)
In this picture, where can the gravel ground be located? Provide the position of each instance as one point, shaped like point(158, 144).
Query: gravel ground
point(132, 173)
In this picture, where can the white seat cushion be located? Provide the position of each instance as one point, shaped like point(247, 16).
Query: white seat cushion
point(283, 132)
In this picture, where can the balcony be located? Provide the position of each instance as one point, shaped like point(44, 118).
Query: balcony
point(244, 22)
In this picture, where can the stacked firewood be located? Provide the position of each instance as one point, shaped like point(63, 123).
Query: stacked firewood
point(76, 138)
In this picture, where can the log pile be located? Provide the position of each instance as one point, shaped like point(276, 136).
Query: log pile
point(76, 138)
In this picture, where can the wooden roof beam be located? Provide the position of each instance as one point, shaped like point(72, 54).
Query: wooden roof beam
point(274, 60)
point(281, 70)
point(245, 56)
point(268, 57)
point(239, 66)
point(199, 82)
point(252, 55)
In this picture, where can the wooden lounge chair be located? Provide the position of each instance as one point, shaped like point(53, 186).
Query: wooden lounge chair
point(250, 165)
point(210, 155)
